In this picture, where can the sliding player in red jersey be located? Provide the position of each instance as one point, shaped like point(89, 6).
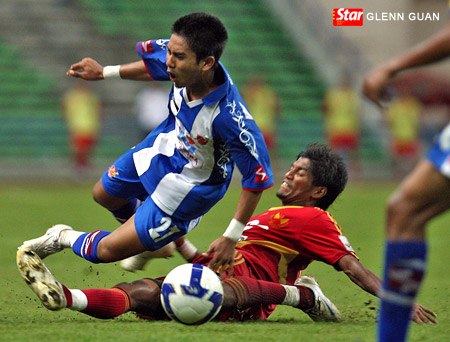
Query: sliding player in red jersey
point(275, 247)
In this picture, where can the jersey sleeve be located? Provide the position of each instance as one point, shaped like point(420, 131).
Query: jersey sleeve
point(153, 53)
point(323, 240)
point(244, 140)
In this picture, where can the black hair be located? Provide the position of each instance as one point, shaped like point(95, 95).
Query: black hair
point(328, 170)
point(204, 33)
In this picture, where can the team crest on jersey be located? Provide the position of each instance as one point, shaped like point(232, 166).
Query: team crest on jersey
point(112, 172)
point(278, 220)
point(260, 174)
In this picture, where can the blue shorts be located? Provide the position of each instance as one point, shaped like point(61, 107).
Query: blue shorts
point(121, 180)
point(154, 227)
point(439, 153)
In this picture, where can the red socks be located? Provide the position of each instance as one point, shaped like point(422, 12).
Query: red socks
point(102, 303)
point(254, 292)
point(106, 303)
point(251, 292)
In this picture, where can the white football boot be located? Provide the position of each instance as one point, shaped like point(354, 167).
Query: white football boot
point(40, 280)
point(49, 243)
point(323, 310)
point(138, 262)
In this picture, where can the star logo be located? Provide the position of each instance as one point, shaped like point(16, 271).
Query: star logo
point(279, 220)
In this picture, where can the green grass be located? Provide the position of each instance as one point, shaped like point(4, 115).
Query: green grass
point(27, 210)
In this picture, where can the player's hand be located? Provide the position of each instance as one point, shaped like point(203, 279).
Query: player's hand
point(374, 87)
point(222, 261)
point(423, 315)
point(88, 69)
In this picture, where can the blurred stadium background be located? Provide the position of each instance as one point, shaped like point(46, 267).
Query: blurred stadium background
point(292, 43)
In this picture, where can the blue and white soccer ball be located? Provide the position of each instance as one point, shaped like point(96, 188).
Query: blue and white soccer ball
point(192, 294)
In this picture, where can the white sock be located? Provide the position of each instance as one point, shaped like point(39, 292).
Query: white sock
point(68, 237)
point(292, 296)
point(79, 300)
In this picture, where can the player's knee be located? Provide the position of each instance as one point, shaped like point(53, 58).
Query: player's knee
point(98, 193)
point(106, 252)
point(124, 286)
point(229, 296)
point(401, 204)
point(144, 295)
point(404, 215)
point(105, 199)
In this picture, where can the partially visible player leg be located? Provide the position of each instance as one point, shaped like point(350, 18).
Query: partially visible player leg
point(121, 208)
point(422, 196)
point(141, 296)
point(137, 262)
point(40, 279)
point(103, 247)
point(323, 309)
point(306, 295)
point(54, 240)
point(97, 247)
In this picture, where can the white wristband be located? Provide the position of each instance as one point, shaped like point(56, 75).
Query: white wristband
point(234, 230)
point(111, 71)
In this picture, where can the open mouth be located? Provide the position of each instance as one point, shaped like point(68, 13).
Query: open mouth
point(172, 77)
point(284, 184)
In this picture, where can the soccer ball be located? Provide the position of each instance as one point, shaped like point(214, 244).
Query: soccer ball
point(192, 294)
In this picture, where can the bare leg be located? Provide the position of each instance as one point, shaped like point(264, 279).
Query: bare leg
point(423, 195)
point(120, 244)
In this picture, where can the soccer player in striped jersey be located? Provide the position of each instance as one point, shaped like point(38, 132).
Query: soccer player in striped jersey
point(423, 195)
point(161, 188)
point(274, 249)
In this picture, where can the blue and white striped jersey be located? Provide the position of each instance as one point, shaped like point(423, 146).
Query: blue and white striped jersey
point(186, 164)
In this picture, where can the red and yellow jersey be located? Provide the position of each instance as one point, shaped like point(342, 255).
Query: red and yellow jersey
point(282, 241)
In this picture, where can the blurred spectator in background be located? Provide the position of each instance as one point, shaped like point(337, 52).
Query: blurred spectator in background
point(151, 107)
point(403, 118)
point(82, 110)
point(341, 109)
point(264, 104)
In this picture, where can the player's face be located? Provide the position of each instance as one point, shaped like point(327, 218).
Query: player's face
point(182, 63)
point(297, 187)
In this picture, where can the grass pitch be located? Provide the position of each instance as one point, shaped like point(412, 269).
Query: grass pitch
point(29, 209)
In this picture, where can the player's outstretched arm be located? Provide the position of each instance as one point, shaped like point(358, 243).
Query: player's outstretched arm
point(431, 50)
point(89, 69)
point(370, 282)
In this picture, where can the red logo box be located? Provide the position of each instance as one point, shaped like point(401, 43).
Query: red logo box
point(348, 17)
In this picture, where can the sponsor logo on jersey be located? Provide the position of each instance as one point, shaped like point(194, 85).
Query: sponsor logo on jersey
point(346, 243)
point(348, 17)
point(112, 172)
point(245, 136)
point(201, 140)
point(260, 174)
point(147, 46)
point(162, 43)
